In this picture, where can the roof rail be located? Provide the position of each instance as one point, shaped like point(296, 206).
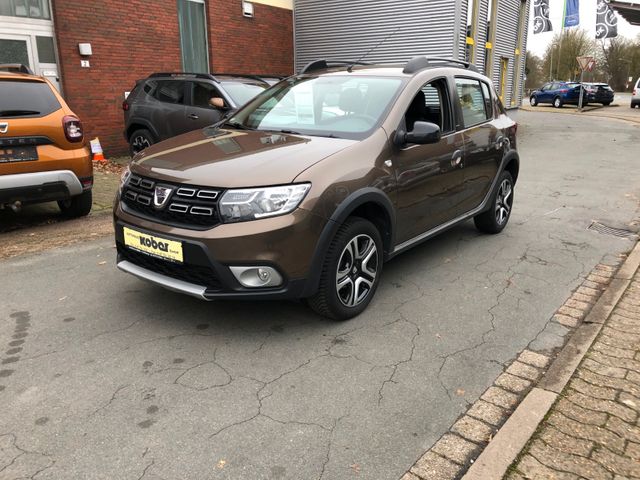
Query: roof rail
point(323, 64)
point(207, 76)
point(421, 62)
point(15, 68)
point(241, 75)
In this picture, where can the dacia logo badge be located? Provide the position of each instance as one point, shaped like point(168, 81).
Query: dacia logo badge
point(161, 196)
point(4, 126)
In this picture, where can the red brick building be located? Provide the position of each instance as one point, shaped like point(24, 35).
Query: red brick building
point(129, 40)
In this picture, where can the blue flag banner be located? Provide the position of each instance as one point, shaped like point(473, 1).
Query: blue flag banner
point(541, 22)
point(571, 13)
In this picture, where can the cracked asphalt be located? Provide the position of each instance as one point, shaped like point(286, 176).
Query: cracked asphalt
point(103, 376)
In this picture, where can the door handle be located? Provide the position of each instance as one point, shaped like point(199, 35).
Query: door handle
point(499, 142)
point(193, 116)
point(456, 159)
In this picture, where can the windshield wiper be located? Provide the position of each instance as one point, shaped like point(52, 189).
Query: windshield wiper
point(238, 125)
point(17, 113)
point(290, 132)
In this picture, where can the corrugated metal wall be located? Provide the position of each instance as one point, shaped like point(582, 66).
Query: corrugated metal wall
point(347, 29)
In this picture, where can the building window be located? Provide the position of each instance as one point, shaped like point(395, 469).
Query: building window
point(472, 28)
point(193, 36)
point(26, 8)
point(46, 50)
point(492, 18)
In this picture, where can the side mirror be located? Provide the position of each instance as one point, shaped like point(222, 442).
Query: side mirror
point(422, 133)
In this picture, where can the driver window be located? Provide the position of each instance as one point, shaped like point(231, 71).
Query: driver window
point(203, 93)
point(430, 105)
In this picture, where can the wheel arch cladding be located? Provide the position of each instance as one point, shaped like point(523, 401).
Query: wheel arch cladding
point(369, 203)
point(139, 124)
point(512, 166)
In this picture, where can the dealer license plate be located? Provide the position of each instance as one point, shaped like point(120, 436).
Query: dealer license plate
point(18, 154)
point(152, 245)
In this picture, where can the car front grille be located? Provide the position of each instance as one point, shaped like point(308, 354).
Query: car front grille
point(188, 206)
point(196, 274)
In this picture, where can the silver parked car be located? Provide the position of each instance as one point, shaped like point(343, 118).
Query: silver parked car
point(635, 96)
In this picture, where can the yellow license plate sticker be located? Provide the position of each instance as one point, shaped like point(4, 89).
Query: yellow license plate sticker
point(156, 246)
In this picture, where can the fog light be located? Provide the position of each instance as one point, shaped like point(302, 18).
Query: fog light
point(257, 276)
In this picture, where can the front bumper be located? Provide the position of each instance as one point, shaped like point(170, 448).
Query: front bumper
point(39, 186)
point(285, 243)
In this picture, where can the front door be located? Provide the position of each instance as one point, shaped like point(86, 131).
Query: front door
point(430, 179)
point(16, 49)
point(504, 73)
point(200, 111)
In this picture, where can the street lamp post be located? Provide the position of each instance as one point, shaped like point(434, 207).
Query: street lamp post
point(553, 47)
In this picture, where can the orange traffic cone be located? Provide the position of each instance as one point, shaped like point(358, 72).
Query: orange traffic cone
point(96, 149)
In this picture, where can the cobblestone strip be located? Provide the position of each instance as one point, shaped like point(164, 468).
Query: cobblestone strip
point(450, 457)
point(593, 431)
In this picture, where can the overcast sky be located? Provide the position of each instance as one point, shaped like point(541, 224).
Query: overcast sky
point(538, 43)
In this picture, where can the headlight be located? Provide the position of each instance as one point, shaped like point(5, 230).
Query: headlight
point(126, 173)
point(255, 203)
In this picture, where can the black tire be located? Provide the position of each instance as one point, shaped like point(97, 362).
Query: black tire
point(495, 219)
point(139, 140)
point(344, 303)
point(78, 206)
point(533, 101)
point(606, 104)
point(557, 102)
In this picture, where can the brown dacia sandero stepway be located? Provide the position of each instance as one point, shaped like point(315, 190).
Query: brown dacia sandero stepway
point(307, 190)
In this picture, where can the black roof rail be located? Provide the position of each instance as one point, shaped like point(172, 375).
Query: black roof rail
point(15, 68)
point(207, 76)
point(241, 75)
point(323, 64)
point(421, 62)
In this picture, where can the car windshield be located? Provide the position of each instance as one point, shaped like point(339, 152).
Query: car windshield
point(23, 98)
point(345, 106)
point(241, 92)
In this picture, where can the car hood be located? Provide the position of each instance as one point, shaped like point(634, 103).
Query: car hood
point(231, 158)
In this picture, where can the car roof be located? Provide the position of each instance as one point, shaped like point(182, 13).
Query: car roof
point(216, 77)
point(410, 69)
point(390, 70)
point(20, 76)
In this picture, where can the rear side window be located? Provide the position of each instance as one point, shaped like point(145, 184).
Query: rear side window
point(170, 91)
point(20, 98)
point(472, 103)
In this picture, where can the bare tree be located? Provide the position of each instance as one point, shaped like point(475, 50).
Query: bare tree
point(534, 72)
point(564, 48)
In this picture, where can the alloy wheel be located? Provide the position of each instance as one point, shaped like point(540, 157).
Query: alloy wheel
point(504, 201)
point(357, 270)
point(139, 143)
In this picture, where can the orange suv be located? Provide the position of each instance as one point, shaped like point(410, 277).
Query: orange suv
point(43, 153)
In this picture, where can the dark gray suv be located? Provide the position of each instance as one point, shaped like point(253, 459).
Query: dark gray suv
point(167, 104)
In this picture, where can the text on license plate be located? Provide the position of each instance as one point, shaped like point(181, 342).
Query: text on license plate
point(156, 246)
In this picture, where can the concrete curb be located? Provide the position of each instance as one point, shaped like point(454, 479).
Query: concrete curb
point(501, 452)
point(631, 120)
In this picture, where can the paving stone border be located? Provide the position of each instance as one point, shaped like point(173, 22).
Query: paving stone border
point(457, 450)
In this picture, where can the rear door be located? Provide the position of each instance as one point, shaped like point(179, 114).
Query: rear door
point(483, 139)
point(167, 113)
point(430, 180)
point(200, 112)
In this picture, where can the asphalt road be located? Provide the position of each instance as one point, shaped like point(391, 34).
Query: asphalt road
point(106, 377)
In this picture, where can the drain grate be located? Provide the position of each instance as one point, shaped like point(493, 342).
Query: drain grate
point(607, 230)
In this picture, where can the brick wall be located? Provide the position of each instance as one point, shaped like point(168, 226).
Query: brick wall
point(133, 39)
point(262, 44)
